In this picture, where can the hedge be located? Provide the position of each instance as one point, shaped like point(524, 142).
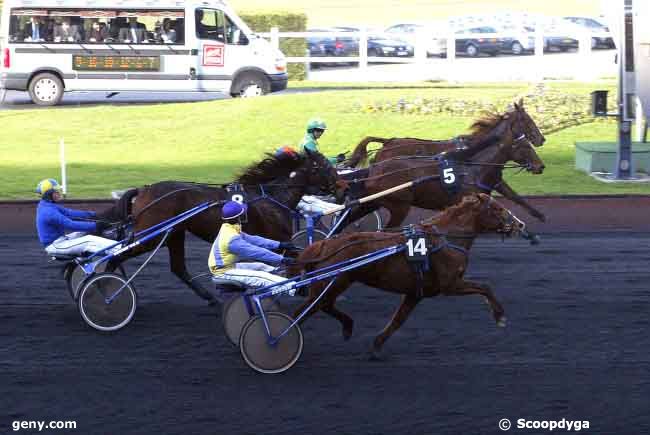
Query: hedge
point(286, 22)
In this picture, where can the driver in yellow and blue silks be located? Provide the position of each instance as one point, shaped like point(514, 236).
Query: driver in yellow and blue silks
point(237, 256)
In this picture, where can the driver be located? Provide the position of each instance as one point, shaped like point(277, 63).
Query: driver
point(53, 220)
point(237, 256)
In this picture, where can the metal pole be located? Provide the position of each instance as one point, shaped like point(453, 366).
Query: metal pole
point(64, 180)
point(624, 168)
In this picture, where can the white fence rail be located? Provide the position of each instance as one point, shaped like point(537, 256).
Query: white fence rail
point(423, 40)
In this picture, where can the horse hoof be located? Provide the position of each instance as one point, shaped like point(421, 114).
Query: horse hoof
point(502, 322)
point(375, 355)
point(347, 334)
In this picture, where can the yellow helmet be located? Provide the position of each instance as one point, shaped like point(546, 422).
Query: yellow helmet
point(48, 185)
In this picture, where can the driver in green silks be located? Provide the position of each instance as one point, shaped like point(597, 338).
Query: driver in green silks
point(315, 129)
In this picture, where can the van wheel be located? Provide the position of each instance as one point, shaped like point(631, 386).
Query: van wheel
point(250, 84)
point(46, 89)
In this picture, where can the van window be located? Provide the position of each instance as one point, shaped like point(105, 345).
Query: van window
point(213, 24)
point(117, 26)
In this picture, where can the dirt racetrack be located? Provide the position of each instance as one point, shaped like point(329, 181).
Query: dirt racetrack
point(576, 347)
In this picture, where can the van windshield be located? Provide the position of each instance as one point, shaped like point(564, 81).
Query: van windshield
point(99, 26)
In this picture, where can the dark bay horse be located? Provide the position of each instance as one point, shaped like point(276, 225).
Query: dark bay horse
point(503, 140)
point(450, 236)
point(486, 128)
point(277, 179)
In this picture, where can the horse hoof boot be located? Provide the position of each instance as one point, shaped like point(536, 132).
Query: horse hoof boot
point(502, 322)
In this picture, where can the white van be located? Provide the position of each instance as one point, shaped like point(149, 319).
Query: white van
point(51, 46)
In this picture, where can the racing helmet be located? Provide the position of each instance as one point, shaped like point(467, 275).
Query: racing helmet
point(232, 210)
point(316, 124)
point(286, 150)
point(46, 187)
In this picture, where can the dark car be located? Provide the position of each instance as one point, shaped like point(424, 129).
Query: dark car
point(557, 38)
point(471, 43)
point(332, 45)
point(382, 46)
point(600, 41)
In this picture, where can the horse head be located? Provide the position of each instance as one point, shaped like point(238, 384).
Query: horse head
point(319, 175)
point(527, 126)
point(524, 134)
point(481, 213)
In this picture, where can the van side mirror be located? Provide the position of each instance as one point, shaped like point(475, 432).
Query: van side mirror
point(242, 39)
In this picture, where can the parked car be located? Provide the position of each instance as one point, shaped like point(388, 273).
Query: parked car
point(327, 46)
point(522, 40)
point(471, 43)
point(381, 45)
point(594, 26)
point(559, 38)
point(435, 45)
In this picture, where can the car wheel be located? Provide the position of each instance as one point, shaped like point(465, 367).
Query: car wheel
point(250, 84)
point(517, 48)
point(46, 89)
point(471, 50)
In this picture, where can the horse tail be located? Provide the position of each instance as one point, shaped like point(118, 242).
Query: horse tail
point(360, 153)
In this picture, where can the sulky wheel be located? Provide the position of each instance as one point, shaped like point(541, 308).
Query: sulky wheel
point(264, 357)
point(101, 313)
point(235, 315)
point(75, 276)
point(369, 223)
point(300, 239)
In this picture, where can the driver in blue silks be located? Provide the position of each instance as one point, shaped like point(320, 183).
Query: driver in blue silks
point(53, 220)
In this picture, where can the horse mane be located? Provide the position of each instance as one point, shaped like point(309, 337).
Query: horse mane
point(483, 134)
point(484, 126)
point(273, 166)
point(449, 213)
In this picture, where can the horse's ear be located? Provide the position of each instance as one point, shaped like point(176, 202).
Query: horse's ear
point(521, 103)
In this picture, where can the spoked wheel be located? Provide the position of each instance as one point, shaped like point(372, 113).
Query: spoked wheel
point(102, 307)
point(235, 315)
point(76, 276)
point(300, 239)
point(370, 222)
point(264, 357)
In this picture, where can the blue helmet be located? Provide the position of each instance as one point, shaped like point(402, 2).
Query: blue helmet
point(232, 210)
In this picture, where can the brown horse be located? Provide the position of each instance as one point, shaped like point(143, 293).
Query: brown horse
point(485, 129)
point(483, 164)
point(447, 263)
point(278, 179)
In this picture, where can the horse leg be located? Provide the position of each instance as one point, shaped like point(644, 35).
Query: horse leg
point(327, 305)
point(504, 189)
point(399, 317)
point(398, 213)
point(472, 288)
point(176, 247)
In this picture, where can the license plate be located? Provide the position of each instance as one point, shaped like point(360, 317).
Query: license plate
point(568, 41)
point(402, 53)
point(493, 40)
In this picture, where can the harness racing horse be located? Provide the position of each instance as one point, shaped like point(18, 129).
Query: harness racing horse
point(272, 187)
point(487, 128)
point(449, 237)
point(484, 162)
